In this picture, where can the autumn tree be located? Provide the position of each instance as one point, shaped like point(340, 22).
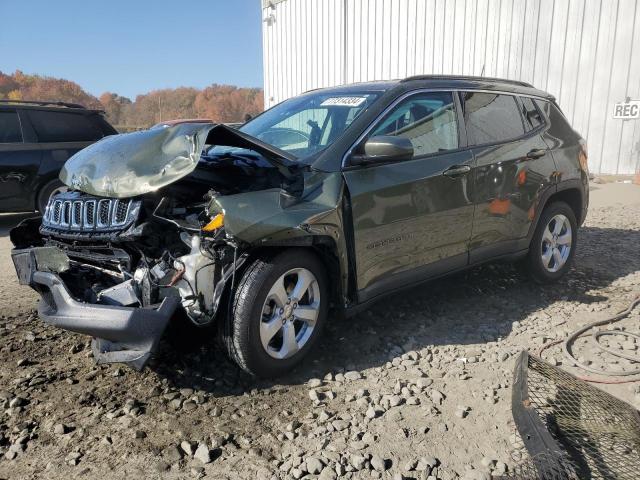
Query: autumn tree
point(226, 103)
point(220, 103)
point(115, 106)
point(20, 86)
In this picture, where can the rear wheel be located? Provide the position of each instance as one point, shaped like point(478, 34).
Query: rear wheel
point(49, 190)
point(279, 310)
point(553, 244)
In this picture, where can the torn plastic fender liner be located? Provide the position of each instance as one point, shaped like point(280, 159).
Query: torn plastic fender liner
point(261, 218)
point(136, 163)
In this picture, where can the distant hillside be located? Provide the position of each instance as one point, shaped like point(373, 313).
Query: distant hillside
point(220, 103)
point(35, 87)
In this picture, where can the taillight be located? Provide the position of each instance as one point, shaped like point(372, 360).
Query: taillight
point(583, 156)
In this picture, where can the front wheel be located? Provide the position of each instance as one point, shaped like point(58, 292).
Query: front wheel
point(553, 244)
point(279, 310)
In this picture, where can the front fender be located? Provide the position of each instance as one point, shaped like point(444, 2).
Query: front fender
point(272, 217)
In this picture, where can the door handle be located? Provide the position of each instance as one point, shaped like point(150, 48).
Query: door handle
point(456, 170)
point(536, 153)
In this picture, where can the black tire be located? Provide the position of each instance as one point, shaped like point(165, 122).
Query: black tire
point(46, 192)
point(240, 333)
point(533, 262)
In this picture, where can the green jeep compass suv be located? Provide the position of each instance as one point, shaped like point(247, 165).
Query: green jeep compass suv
point(326, 202)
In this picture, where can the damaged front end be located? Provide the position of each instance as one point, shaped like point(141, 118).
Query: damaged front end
point(151, 226)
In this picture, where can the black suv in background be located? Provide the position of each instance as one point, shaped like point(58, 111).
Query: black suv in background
point(36, 138)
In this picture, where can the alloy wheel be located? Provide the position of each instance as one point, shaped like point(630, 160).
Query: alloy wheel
point(556, 243)
point(290, 313)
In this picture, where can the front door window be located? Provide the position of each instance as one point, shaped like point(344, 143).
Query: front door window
point(428, 120)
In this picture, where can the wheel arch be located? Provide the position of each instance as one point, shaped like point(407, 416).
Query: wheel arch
point(572, 196)
point(325, 248)
point(569, 192)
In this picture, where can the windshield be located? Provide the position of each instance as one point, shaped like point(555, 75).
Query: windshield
point(307, 124)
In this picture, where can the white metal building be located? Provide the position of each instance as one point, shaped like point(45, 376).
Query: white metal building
point(585, 52)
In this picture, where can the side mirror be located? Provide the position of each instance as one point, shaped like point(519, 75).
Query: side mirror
point(384, 148)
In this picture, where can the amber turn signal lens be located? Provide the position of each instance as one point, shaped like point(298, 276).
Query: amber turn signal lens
point(215, 223)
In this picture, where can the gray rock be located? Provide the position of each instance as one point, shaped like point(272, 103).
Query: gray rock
point(410, 465)
point(172, 454)
point(59, 429)
point(500, 468)
point(476, 475)
point(427, 464)
point(188, 447)
point(378, 463)
point(437, 397)
point(340, 425)
point(353, 375)
point(202, 453)
point(357, 461)
point(17, 402)
point(73, 458)
point(487, 462)
point(328, 474)
point(314, 395)
point(314, 465)
point(373, 412)
point(314, 383)
point(359, 445)
point(10, 454)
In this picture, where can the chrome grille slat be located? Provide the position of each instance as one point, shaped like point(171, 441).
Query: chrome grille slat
point(89, 219)
point(75, 212)
point(57, 208)
point(65, 219)
point(104, 213)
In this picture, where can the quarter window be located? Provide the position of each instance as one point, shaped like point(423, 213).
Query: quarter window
point(10, 128)
point(64, 127)
point(428, 120)
point(491, 118)
point(530, 113)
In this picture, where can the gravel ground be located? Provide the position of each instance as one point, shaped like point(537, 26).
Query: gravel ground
point(416, 387)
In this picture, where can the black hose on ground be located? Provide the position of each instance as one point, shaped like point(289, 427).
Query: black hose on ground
point(566, 347)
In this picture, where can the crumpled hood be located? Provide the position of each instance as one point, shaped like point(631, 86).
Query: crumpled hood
point(135, 163)
point(132, 164)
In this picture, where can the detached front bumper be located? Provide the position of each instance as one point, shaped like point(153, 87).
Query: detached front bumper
point(121, 334)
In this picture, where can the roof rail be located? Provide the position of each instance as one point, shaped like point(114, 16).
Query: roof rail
point(465, 77)
point(43, 103)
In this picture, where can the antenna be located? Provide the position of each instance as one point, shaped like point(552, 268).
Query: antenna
point(482, 72)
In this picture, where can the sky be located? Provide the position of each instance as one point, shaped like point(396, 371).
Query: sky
point(132, 47)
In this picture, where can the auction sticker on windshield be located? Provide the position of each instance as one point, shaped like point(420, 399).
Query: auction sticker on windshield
point(343, 102)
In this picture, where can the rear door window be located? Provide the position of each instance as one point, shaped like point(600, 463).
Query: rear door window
point(530, 113)
point(10, 131)
point(53, 126)
point(491, 118)
point(428, 120)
